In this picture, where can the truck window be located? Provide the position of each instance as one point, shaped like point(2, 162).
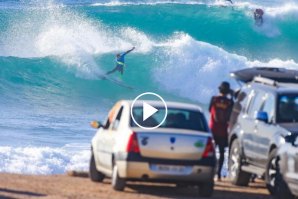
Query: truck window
point(238, 107)
point(250, 99)
point(256, 103)
point(269, 107)
point(287, 108)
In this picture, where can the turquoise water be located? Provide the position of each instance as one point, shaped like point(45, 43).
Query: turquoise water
point(51, 53)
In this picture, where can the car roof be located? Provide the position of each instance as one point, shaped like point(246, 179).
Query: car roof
point(278, 88)
point(287, 87)
point(269, 79)
point(170, 104)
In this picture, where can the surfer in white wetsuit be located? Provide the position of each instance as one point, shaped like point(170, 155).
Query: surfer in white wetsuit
point(120, 62)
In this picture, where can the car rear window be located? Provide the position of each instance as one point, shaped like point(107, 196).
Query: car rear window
point(176, 118)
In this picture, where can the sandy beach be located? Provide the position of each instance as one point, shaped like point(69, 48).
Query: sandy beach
point(66, 186)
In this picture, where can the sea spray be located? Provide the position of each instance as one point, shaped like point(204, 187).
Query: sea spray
point(194, 69)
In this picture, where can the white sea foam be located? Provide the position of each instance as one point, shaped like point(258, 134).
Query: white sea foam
point(275, 11)
point(148, 2)
point(70, 37)
point(273, 8)
point(42, 160)
point(52, 30)
point(194, 69)
point(75, 40)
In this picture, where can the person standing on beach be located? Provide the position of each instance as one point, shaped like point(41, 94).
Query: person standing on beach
point(220, 109)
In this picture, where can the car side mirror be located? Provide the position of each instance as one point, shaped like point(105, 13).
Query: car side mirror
point(96, 124)
point(262, 116)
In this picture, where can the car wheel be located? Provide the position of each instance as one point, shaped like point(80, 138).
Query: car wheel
point(206, 189)
point(238, 177)
point(118, 183)
point(281, 188)
point(95, 175)
point(270, 174)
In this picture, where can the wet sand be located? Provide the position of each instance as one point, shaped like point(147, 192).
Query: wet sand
point(66, 186)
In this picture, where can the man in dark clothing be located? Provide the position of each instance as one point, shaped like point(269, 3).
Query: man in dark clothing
point(220, 110)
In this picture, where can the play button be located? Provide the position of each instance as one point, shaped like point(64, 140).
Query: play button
point(148, 111)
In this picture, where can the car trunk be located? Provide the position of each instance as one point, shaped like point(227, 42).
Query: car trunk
point(172, 144)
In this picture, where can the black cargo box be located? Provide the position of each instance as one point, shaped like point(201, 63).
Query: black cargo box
point(276, 74)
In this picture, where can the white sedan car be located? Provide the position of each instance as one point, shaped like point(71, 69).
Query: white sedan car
point(180, 151)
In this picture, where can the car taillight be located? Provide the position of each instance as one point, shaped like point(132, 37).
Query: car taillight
point(209, 150)
point(133, 145)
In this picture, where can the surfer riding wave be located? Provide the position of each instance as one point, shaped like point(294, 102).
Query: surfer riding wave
point(120, 63)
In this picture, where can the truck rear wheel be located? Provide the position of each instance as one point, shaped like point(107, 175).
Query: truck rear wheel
point(271, 171)
point(238, 177)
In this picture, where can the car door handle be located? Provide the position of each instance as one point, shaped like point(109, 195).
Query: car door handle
point(256, 129)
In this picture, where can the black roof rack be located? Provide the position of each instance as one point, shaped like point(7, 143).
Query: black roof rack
point(276, 74)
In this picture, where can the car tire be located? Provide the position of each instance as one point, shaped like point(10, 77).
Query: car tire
point(238, 177)
point(281, 188)
point(118, 183)
point(206, 189)
point(95, 175)
point(271, 170)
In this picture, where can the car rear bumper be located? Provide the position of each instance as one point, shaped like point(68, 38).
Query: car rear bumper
point(134, 167)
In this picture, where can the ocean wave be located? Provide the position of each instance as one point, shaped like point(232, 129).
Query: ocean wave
point(194, 69)
point(126, 3)
point(42, 160)
point(180, 64)
point(79, 42)
point(272, 8)
point(275, 8)
point(70, 37)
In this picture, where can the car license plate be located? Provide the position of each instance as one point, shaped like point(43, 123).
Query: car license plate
point(171, 169)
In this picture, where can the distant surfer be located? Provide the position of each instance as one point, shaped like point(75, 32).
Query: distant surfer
point(230, 1)
point(258, 16)
point(120, 62)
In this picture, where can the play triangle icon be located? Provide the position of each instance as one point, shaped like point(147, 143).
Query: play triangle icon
point(148, 111)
